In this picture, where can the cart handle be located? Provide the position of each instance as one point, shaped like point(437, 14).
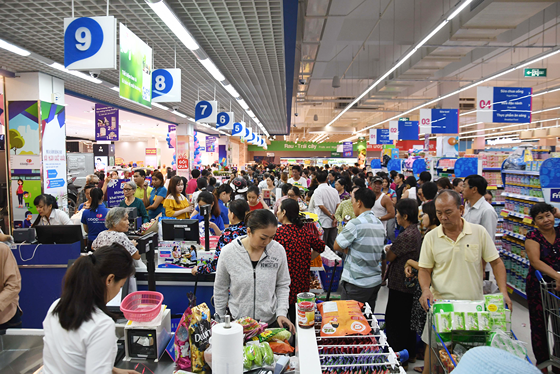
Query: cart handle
point(539, 275)
point(441, 340)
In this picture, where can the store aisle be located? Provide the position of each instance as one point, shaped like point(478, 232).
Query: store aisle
point(520, 323)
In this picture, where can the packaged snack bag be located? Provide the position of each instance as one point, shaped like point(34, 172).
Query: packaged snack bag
point(341, 318)
point(182, 346)
point(200, 330)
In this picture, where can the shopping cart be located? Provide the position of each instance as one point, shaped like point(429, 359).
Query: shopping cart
point(441, 360)
point(551, 309)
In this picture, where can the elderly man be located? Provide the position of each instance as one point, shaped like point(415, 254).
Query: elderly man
point(451, 258)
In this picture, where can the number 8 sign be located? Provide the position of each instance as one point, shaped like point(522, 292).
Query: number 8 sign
point(166, 86)
point(206, 111)
point(90, 43)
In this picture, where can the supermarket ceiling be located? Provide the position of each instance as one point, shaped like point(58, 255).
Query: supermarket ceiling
point(359, 41)
point(244, 39)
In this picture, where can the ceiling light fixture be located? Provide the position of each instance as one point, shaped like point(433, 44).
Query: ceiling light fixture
point(212, 69)
point(179, 114)
point(157, 105)
point(75, 73)
point(404, 59)
point(13, 48)
point(170, 19)
point(229, 88)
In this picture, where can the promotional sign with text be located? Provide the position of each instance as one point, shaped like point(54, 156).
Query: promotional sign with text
point(504, 104)
point(115, 193)
point(90, 43)
point(135, 83)
point(211, 143)
point(53, 118)
point(403, 130)
point(106, 123)
point(347, 149)
point(439, 121)
point(379, 136)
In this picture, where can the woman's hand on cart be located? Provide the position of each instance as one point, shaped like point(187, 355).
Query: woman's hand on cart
point(124, 371)
point(194, 271)
point(426, 299)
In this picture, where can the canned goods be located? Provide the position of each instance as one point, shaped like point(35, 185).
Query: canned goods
point(305, 296)
point(306, 314)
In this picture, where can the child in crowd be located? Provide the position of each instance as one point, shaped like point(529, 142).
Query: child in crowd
point(254, 199)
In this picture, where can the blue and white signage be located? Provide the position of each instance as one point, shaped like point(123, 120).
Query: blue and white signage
point(403, 130)
point(379, 136)
point(550, 181)
point(238, 129)
point(225, 121)
point(166, 86)
point(206, 111)
point(439, 121)
point(504, 104)
point(90, 43)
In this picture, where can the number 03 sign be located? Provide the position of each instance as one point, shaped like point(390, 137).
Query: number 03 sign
point(90, 43)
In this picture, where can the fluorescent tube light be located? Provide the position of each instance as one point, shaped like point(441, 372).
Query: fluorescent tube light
point(179, 114)
point(229, 88)
point(171, 20)
point(157, 105)
point(243, 104)
point(13, 48)
point(212, 69)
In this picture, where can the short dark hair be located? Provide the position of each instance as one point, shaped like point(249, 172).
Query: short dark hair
point(359, 182)
point(212, 181)
point(321, 177)
point(296, 168)
point(425, 176)
point(204, 173)
point(239, 208)
point(456, 181)
point(195, 173)
point(430, 190)
point(141, 172)
point(366, 196)
point(477, 181)
point(411, 181)
point(260, 219)
point(444, 183)
point(355, 170)
point(296, 190)
point(393, 174)
point(285, 188)
point(410, 208)
point(254, 189)
point(84, 288)
point(429, 208)
point(401, 176)
point(454, 194)
point(201, 183)
point(540, 208)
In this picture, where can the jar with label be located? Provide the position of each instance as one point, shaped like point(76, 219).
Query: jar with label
point(306, 314)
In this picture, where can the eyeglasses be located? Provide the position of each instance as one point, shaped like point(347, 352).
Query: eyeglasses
point(127, 189)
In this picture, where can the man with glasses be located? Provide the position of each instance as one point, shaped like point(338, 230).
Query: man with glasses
point(362, 241)
point(143, 191)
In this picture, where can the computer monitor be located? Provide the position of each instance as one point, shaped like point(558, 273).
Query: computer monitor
point(180, 230)
point(60, 234)
point(132, 218)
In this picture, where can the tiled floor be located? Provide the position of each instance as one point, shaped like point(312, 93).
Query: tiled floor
point(520, 323)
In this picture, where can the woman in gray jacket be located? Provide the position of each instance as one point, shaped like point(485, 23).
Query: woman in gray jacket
point(254, 269)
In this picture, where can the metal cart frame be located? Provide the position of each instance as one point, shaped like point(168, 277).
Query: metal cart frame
point(551, 309)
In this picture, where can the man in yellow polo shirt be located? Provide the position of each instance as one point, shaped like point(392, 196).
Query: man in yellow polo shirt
point(451, 258)
point(142, 190)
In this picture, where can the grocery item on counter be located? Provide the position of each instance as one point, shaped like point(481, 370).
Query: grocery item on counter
point(251, 327)
point(182, 345)
point(199, 337)
point(281, 348)
point(277, 334)
point(306, 314)
point(256, 355)
point(341, 318)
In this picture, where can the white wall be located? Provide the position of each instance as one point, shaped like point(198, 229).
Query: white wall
point(136, 151)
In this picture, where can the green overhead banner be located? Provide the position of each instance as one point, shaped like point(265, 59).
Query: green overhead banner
point(281, 145)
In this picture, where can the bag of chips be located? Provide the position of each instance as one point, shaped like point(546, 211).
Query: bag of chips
point(200, 330)
point(341, 318)
point(182, 345)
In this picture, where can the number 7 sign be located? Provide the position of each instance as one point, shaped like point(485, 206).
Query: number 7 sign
point(206, 111)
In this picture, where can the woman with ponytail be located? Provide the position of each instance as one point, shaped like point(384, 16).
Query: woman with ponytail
point(79, 331)
point(216, 223)
point(223, 194)
point(93, 219)
point(301, 247)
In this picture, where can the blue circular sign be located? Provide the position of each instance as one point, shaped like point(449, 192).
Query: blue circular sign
point(223, 120)
point(162, 82)
point(237, 128)
point(83, 38)
point(202, 110)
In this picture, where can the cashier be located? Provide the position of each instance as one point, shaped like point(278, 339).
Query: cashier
point(79, 333)
point(49, 214)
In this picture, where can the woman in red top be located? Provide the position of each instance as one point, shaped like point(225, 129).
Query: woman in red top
point(254, 199)
point(301, 247)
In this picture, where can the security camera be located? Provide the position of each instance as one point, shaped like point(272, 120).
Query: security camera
point(175, 108)
point(95, 73)
point(294, 126)
point(302, 81)
point(296, 114)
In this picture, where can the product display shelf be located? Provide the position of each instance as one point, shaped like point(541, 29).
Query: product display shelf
point(523, 197)
point(513, 289)
point(525, 262)
point(514, 235)
point(526, 218)
point(445, 167)
point(521, 172)
point(491, 169)
point(498, 202)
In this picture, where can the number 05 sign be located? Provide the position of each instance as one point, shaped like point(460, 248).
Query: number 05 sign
point(90, 43)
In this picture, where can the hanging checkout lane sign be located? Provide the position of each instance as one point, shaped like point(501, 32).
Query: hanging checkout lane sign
point(504, 104)
point(439, 121)
point(206, 111)
point(225, 121)
point(379, 136)
point(238, 129)
point(90, 43)
point(166, 86)
point(403, 130)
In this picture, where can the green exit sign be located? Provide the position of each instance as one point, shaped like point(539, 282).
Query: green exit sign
point(537, 72)
point(404, 119)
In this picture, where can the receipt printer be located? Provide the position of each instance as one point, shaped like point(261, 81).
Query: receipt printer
point(26, 235)
point(147, 340)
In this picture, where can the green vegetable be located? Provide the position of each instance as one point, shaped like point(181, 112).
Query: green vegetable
point(258, 356)
point(268, 354)
point(282, 335)
point(250, 352)
point(247, 362)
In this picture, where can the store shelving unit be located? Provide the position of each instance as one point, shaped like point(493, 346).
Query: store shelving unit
point(509, 259)
point(445, 168)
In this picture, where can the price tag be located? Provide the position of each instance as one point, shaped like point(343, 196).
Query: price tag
point(504, 213)
point(509, 289)
point(90, 43)
point(444, 169)
point(492, 187)
point(527, 220)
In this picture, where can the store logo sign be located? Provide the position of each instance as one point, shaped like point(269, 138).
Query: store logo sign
point(555, 195)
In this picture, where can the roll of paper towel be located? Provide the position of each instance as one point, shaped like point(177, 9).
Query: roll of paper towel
point(227, 348)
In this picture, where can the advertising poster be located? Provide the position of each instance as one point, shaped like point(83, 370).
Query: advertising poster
point(115, 193)
point(211, 143)
point(447, 146)
point(151, 157)
point(23, 132)
point(53, 121)
point(106, 123)
point(362, 149)
point(222, 155)
point(135, 83)
point(24, 190)
point(347, 149)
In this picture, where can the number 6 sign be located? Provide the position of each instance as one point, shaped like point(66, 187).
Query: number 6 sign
point(166, 86)
point(90, 43)
point(206, 111)
point(225, 121)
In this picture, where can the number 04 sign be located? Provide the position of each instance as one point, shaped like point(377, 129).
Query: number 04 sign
point(90, 43)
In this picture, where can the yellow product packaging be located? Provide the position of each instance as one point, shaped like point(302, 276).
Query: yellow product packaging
point(200, 330)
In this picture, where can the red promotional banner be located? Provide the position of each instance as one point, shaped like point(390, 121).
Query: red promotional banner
point(374, 147)
point(183, 162)
point(409, 144)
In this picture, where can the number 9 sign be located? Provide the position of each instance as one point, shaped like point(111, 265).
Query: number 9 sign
point(166, 86)
point(90, 43)
point(206, 111)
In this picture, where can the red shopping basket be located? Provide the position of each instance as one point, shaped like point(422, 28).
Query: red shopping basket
point(142, 306)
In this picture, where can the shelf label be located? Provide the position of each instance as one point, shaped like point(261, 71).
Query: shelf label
point(492, 187)
point(527, 220)
point(504, 213)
